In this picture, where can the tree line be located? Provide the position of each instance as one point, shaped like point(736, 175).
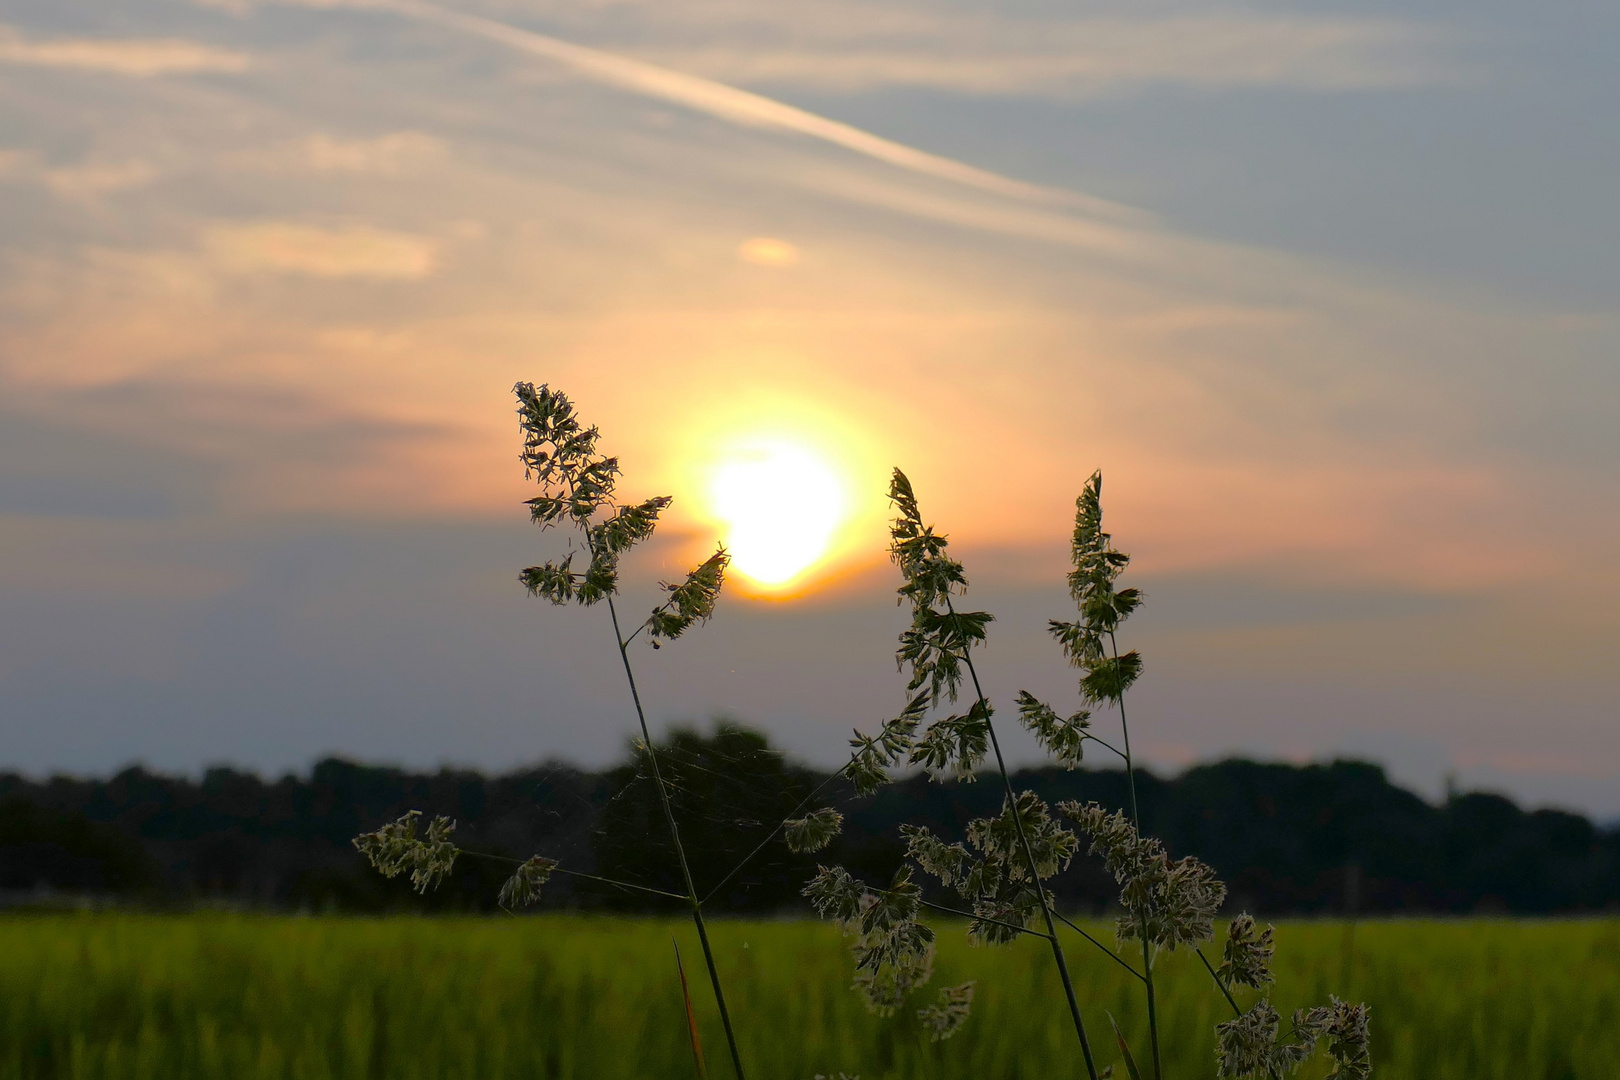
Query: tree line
point(1329, 838)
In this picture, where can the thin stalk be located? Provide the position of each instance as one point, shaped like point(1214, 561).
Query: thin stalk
point(1110, 953)
point(615, 882)
point(1105, 745)
point(1136, 819)
point(746, 859)
point(966, 914)
point(680, 851)
point(980, 918)
point(1222, 986)
point(1236, 1011)
point(1029, 855)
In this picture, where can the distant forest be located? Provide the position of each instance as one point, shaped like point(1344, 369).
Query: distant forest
point(1287, 839)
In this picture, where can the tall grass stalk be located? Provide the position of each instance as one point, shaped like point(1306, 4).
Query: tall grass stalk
point(578, 487)
point(1034, 870)
point(680, 849)
point(1136, 820)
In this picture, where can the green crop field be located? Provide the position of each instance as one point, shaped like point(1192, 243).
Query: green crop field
point(130, 997)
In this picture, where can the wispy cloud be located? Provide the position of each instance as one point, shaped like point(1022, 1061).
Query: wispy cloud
point(391, 155)
point(86, 181)
point(354, 252)
point(728, 102)
point(1087, 58)
point(140, 57)
point(855, 47)
point(387, 155)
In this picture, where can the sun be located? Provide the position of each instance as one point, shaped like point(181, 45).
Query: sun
point(781, 505)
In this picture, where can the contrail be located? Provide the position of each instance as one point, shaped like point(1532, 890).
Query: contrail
point(737, 106)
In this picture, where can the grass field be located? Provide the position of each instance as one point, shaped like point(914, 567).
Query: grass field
point(129, 997)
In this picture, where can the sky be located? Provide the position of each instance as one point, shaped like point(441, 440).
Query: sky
point(1327, 290)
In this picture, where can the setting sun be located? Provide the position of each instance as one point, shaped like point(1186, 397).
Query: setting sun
point(781, 504)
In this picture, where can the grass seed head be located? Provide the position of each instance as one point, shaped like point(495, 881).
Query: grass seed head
point(1246, 959)
point(523, 887)
point(942, 1020)
point(814, 831)
point(395, 849)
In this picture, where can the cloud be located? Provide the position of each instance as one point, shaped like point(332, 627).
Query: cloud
point(839, 47)
point(1080, 59)
point(140, 57)
point(86, 180)
point(354, 252)
point(388, 155)
point(729, 103)
point(98, 178)
point(391, 154)
point(768, 251)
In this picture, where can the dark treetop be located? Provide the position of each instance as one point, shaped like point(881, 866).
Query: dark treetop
point(1286, 838)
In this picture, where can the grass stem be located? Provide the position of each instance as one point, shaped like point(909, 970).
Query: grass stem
point(1110, 953)
point(615, 882)
point(1105, 745)
point(1222, 986)
point(1136, 820)
point(1029, 855)
point(675, 836)
point(746, 859)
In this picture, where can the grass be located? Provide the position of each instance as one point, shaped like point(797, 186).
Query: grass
point(137, 997)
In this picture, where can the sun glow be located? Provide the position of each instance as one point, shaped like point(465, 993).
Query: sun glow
point(781, 505)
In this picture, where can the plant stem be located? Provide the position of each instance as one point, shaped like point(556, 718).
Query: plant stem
point(1105, 746)
point(1106, 951)
point(735, 870)
point(1222, 986)
point(1029, 855)
point(978, 918)
point(617, 884)
point(1271, 1073)
point(1136, 819)
point(680, 851)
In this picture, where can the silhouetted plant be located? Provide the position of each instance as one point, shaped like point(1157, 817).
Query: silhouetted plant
point(999, 870)
point(578, 487)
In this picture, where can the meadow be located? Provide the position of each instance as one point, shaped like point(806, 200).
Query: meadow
point(151, 997)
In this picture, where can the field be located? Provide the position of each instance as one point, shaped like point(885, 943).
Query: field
point(225, 996)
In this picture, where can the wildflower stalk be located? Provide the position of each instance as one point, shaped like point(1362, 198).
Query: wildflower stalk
point(1034, 869)
point(675, 837)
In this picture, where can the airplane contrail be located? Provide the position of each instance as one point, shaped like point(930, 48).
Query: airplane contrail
point(737, 106)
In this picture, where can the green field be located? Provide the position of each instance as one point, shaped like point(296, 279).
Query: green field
point(221, 996)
